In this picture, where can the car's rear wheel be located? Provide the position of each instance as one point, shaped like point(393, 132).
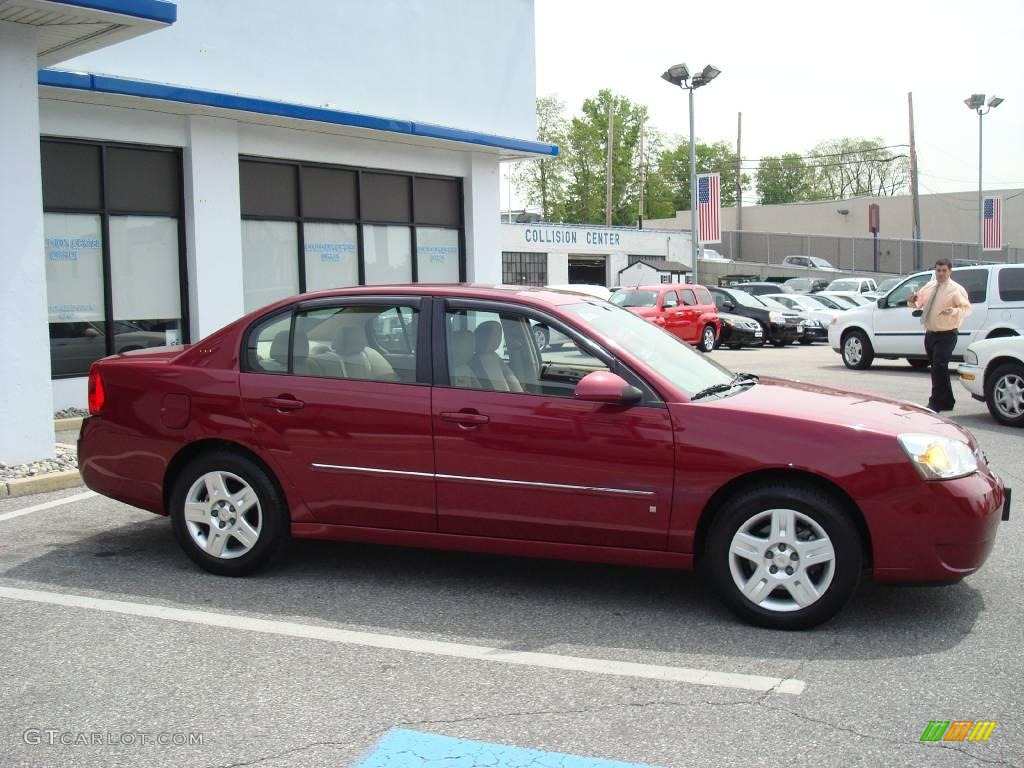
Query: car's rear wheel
point(540, 337)
point(857, 351)
point(228, 514)
point(707, 339)
point(784, 556)
point(1004, 394)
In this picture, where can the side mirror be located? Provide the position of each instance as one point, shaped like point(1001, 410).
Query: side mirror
point(729, 304)
point(606, 387)
point(882, 303)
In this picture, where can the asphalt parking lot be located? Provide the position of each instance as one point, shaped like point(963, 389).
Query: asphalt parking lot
point(109, 631)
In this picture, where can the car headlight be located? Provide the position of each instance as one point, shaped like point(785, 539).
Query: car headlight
point(776, 317)
point(938, 458)
point(971, 357)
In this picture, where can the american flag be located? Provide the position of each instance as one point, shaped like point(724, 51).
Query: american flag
point(709, 204)
point(993, 220)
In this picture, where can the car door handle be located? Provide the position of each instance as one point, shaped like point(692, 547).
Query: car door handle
point(465, 418)
point(283, 403)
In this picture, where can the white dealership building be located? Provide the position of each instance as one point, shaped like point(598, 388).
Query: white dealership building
point(171, 166)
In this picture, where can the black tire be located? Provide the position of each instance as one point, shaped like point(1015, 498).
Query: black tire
point(541, 336)
point(818, 522)
point(857, 351)
point(918, 362)
point(707, 339)
point(1004, 394)
point(267, 518)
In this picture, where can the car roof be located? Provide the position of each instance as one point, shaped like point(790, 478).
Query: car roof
point(527, 294)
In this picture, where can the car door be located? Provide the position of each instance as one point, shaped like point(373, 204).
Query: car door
point(689, 329)
point(518, 458)
point(672, 312)
point(339, 393)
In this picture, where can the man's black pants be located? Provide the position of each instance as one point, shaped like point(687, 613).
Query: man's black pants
point(939, 345)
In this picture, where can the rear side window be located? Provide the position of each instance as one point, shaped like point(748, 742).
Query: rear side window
point(688, 298)
point(267, 345)
point(1011, 284)
point(975, 282)
point(704, 295)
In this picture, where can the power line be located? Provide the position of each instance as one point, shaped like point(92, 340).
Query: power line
point(834, 154)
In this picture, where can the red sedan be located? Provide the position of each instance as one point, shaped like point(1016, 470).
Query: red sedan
point(426, 416)
point(686, 311)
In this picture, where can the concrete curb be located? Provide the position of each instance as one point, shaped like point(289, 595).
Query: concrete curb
point(64, 425)
point(54, 481)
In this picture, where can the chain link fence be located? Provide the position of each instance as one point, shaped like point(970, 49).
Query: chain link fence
point(857, 254)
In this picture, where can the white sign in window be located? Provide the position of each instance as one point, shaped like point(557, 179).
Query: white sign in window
point(437, 255)
point(388, 254)
point(144, 268)
point(332, 256)
point(270, 269)
point(74, 267)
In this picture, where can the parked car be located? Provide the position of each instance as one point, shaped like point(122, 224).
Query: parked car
point(810, 262)
point(686, 311)
point(887, 328)
point(544, 336)
point(829, 303)
point(807, 284)
point(846, 298)
point(738, 331)
point(817, 319)
point(470, 439)
point(780, 327)
point(884, 287)
point(993, 372)
point(757, 288)
point(710, 254)
point(852, 285)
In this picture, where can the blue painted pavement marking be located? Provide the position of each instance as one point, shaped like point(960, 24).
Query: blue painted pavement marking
point(410, 749)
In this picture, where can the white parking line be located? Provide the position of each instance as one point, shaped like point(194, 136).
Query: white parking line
point(47, 505)
point(413, 645)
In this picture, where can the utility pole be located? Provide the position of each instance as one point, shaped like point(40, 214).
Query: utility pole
point(608, 173)
point(738, 253)
point(643, 181)
point(913, 187)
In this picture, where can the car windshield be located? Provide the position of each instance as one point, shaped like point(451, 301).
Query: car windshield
point(799, 283)
point(671, 358)
point(772, 303)
point(744, 298)
point(824, 301)
point(844, 285)
point(887, 285)
point(859, 300)
point(625, 298)
point(844, 301)
point(820, 263)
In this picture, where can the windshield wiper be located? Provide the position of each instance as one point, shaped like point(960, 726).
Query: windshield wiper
point(738, 380)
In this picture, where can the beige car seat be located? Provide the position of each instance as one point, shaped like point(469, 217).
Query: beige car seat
point(461, 347)
point(304, 365)
point(492, 372)
point(358, 360)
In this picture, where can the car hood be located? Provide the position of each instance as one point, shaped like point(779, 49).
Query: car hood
point(773, 399)
point(643, 311)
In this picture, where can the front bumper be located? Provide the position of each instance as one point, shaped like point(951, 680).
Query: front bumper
point(973, 379)
point(943, 533)
point(814, 333)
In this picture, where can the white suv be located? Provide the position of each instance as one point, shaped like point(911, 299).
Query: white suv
point(888, 329)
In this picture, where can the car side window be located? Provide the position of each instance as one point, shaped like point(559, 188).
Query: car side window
point(494, 351)
point(371, 342)
point(1011, 284)
point(975, 282)
point(688, 298)
point(267, 344)
point(704, 296)
point(899, 295)
point(669, 299)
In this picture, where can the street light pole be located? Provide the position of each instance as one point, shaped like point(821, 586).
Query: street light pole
point(680, 75)
point(977, 103)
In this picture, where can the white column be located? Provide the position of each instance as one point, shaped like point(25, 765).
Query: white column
point(482, 193)
point(26, 418)
point(213, 232)
point(558, 268)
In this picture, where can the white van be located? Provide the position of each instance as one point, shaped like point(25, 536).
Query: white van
point(888, 329)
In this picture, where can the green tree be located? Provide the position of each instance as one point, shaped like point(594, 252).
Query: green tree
point(543, 182)
point(674, 166)
point(851, 167)
point(785, 179)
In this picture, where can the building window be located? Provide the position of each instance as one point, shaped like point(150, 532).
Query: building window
point(524, 268)
point(114, 250)
point(311, 227)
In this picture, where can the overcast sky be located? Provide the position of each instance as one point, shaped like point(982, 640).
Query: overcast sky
point(804, 72)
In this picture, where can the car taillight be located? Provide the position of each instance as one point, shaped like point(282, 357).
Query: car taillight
point(96, 394)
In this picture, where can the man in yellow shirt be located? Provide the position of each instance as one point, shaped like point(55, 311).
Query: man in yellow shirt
point(945, 304)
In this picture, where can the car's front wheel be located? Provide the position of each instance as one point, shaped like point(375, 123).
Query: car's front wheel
point(228, 514)
point(857, 351)
point(1004, 394)
point(784, 556)
point(707, 339)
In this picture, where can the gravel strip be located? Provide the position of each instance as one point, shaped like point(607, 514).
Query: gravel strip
point(65, 459)
point(70, 413)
